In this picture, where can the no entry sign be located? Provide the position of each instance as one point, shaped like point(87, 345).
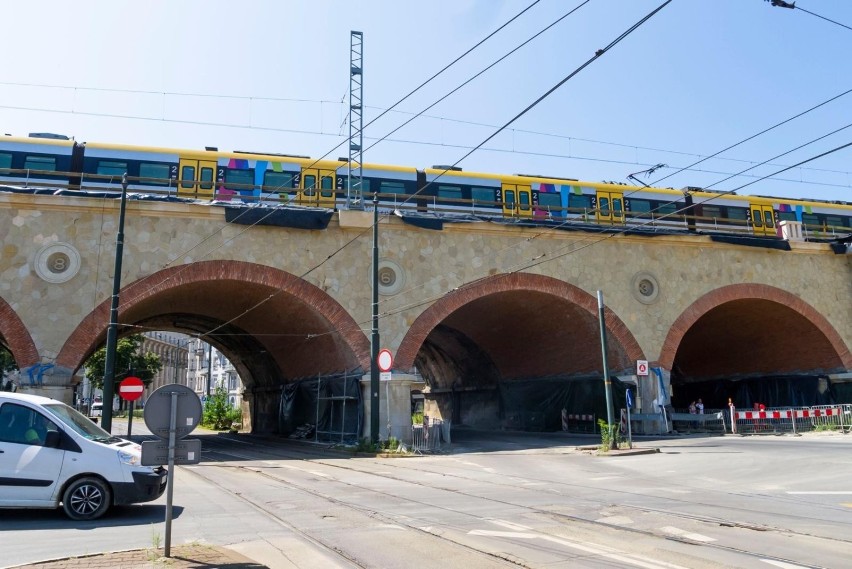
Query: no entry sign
point(131, 388)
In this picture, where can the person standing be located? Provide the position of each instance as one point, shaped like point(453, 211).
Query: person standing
point(700, 408)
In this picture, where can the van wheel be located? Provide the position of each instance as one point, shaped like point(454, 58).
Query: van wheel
point(86, 499)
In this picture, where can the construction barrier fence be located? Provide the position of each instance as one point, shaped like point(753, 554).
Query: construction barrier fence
point(796, 420)
point(429, 437)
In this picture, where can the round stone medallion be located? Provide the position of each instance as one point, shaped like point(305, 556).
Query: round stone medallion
point(391, 277)
point(57, 262)
point(645, 287)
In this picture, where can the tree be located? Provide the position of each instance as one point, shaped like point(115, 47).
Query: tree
point(128, 361)
point(7, 363)
point(218, 413)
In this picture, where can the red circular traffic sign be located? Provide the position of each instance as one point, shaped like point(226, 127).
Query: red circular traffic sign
point(385, 360)
point(131, 388)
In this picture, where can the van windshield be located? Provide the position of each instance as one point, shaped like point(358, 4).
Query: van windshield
point(78, 422)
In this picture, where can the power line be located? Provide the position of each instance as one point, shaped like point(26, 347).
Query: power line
point(792, 6)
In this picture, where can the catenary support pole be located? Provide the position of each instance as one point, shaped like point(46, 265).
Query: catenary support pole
point(112, 330)
point(607, 383)
point(374, 336)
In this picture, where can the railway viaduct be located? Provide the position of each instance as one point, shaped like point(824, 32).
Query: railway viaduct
point(467, 308)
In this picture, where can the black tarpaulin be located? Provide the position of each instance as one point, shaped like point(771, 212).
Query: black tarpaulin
point(536, 404)
point(297, 218)
point(765, 242)
point(331, 405)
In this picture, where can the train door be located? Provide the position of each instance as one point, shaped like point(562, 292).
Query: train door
point(517, 200)
point(610, 207)
point(762, 219)
point(196, 178)
point(317, 188)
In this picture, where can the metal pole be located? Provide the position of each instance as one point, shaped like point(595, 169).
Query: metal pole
point(209, 368)
point(130, 419)
point(170, 486)
point(607, 383)
point(374, 336)
point(112, 330)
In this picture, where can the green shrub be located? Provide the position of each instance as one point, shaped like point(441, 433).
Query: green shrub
point(218, 413)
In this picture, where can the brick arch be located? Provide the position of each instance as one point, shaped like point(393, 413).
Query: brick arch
point(79, 343)
point(440, 310)
point(729, 293)
point(17, 337)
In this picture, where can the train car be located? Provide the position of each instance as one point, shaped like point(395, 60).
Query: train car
point(46, 160)
point(39, 160)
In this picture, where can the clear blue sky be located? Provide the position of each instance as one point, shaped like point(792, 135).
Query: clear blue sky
point(697, 77)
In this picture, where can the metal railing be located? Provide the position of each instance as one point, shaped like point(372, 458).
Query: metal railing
point(428, 437)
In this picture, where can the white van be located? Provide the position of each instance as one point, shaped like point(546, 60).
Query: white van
point(52, 455)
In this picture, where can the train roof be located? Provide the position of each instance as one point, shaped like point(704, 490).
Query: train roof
point(37, 140)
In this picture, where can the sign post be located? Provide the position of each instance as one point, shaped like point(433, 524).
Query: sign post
point(629, 398)
point(130, 389)
point(642, 368)
point(173, 411)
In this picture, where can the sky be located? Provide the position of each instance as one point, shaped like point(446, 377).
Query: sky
point(273, 76)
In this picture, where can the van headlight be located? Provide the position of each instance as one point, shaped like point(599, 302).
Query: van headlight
point(128, 458)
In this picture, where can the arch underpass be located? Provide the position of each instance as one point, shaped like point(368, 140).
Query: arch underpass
point(513, 350)
point(753, 343)
point(274, 327)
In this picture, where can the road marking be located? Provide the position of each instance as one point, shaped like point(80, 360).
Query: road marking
point(846, 504)
point(825, 493)
point(600, 550)
point(510, 525)
point(783, 564)
point(686, 535)
point(599, 478)
point(615, 520)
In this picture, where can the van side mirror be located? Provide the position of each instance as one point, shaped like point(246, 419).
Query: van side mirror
point(53, 439)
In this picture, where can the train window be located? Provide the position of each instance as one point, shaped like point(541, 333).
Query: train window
point(482, 194)
point(548, 200)
point(810, 219)
point(273, 181)
point(769, 219)
point(390, 187)
point(833, 221)
point(153, 174)
point(740, 213)
point(603, 205)
point(509, 197)
point(579, 203)
point(327, 186)
point(450, 192)
point(206, 178)
point(640, 206)
point(666, 209)
point(40, 163)
point(756, 218)
point(711, 211)
point(310, 184)
point(240, 180)
point(5, 160)
point(616, 207)
point(787, 215)
point(525, 200)
point(187, 174)
point(111, 168)
point(358, 183)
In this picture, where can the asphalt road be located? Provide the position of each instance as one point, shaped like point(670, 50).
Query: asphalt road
point(495, 500)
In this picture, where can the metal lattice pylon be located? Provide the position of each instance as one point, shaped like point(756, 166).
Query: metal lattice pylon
point(354, 185)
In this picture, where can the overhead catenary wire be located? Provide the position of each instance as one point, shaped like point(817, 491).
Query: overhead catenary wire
point(597, 55)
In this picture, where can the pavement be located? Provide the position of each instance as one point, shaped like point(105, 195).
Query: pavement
point(186, 556)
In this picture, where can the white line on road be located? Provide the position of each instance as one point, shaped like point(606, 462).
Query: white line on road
point(601, 551)
point(784, 565)
point(826, 493)
point(686, 535)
